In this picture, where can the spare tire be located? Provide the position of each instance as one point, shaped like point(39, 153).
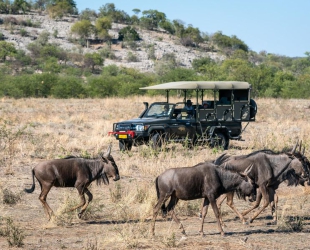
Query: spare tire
point(253, 109)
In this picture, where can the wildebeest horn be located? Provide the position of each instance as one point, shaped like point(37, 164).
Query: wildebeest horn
point(294, 149)
point(300, 144)
point(248, 169)
point(107, 154)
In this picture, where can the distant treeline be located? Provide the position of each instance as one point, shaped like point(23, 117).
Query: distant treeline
point(268, 79)
point(50, 71)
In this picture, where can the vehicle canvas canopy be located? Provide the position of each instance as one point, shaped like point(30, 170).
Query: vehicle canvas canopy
point(230, 101)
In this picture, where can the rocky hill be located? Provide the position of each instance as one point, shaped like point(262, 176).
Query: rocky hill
point(163, 43)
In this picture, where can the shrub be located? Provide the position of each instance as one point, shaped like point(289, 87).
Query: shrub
point(132, 57)
point(10, 198)
point(13, 233)
point(68, 87)
point(23, 32)
point(128, 34)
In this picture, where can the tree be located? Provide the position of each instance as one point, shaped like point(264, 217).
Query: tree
point(88, 14)
point(128, 34)
point(5, 6)
point(191, 35)
point(167, 26)
point(93, 59)
point(41, 4)
point(232, 42)
point(21, 5)
point(107, 10)
point(6, 49)
point(179, 28)
point(61, 7)
point(83, 29)
point(136, 11)
point(102, 25)
point(151, 19)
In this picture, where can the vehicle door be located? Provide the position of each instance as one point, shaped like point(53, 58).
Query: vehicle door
point(182, 126)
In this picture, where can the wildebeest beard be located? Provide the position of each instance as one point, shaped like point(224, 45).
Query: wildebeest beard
point(103, 178)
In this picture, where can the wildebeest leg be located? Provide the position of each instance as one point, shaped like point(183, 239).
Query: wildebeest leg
point(267, 199)
point(81, 189)
point(217, 215)
point(171, 205)
point(204, 211)
point(219, 202)
point(90, 197)
point(276, 199)
point(42, 197)
point(161, 200)
point(273, 201)
point(256, 204)
point(230, 203)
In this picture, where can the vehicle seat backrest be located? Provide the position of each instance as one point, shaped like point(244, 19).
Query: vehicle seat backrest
point(241, 111)
point(206, 115)
point(224, 113)
point(224, 100)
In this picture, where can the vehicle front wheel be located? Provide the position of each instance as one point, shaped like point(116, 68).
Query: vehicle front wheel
point(219, 140)
point(156, 141)
point(124, 145)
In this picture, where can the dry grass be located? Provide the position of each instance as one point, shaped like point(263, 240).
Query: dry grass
point(118, 217)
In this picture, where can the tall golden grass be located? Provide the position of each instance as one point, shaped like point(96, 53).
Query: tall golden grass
point(32, 130)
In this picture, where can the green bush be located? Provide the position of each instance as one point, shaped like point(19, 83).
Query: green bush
point(128, 34)
point(68, 87)
point(102, 87)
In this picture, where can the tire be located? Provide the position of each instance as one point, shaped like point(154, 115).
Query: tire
point(124, 145)
point(156, 141)
point(219, 140)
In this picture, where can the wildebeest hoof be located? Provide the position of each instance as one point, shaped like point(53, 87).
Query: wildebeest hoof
point(80, 215)
point(245, 223)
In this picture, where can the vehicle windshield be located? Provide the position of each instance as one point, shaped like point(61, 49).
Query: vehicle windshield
point(159, 110)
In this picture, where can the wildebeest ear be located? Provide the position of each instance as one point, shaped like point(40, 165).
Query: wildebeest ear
point(294, 149)
point(107, 154)
point(105, 179)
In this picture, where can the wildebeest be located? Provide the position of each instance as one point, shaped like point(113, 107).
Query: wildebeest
point(73, 172)
point(269, 170)
point(205, 180)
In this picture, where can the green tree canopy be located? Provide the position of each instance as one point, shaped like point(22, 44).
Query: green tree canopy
point(6, 49)
point(83, 29)
point(151, 19)
point(102, 26)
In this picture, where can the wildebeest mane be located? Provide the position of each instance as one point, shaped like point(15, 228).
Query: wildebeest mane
point(95, 167)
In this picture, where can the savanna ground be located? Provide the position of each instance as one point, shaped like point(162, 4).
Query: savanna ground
point(33, 130)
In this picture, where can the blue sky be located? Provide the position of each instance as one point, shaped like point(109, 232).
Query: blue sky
point(277, 26)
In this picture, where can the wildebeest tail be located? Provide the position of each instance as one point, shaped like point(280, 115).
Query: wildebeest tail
point(33, 184)
point(163, 207)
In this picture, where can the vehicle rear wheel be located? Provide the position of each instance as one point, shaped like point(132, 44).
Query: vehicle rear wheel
point(219, 140)
point(156, 141)
point(124, 145)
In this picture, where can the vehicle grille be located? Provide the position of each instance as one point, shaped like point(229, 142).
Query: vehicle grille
point(123, 127)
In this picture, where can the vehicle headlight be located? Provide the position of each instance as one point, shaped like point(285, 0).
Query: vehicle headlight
point(142, 127)
point(139, 128)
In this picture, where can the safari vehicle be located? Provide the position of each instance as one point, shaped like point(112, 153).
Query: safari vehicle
point(229, 105)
